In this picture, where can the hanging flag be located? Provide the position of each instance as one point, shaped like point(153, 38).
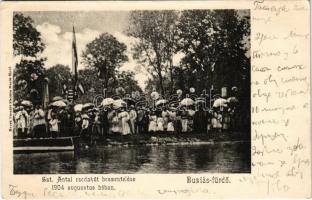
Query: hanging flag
point(60, 77)
point(70, 93)
point(81, 89)
point(74, 58)
point(64, 89)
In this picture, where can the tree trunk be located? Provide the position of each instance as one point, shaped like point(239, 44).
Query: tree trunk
point(161, 83)
point(105, 71)
point(158, 64)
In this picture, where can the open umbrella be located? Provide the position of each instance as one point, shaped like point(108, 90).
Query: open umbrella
point(161, 102)
point(119, 103)
point(87, 106)
point(187, 102)
point(33, 91)
point(58, 104)
point(107, 102)
point(220, 103)
point(84, 116)
point(232, 100)
point(129, 101)
point(57, 98)
point(78, 108)
point(26, 103)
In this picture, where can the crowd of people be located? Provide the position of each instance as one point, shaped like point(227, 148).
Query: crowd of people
point(63, 119)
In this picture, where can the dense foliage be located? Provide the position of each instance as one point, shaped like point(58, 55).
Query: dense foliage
point(29, 71)
point(213, 47)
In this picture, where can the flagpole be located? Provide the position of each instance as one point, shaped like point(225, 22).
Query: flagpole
point(74, 62)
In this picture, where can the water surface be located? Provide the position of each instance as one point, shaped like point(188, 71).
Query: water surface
point(223, 157)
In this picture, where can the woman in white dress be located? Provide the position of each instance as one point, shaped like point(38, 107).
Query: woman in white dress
point(216, 121)
point(133, 118)
point(171, 120)
point(85, 134)
point(152, 127)
point(21, 118)
point(160, 124)
point(219, 121)
point(124, 117)
point(114, 122)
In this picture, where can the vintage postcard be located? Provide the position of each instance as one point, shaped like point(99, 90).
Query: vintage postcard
point(155, 100)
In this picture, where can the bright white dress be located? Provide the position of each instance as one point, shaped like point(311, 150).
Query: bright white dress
point(184, 123)
point(125, 128)
point(219, 121)
point(115, 127)
point(190, 121)
point(172, 118)
point(160, 124)
point(152, 124)
point(133, 116)
point(216, 121)
point(21, 119)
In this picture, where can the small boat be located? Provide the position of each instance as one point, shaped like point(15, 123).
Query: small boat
point(31, 145)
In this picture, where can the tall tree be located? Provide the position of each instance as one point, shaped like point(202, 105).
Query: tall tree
point(213, 44)
point(155, 39)
point(216, 44)
point(26, 38)
point(105, 54)
point(28, 45)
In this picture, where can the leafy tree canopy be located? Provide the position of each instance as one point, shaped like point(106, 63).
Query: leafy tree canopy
point(26, 38)
point(105, 54)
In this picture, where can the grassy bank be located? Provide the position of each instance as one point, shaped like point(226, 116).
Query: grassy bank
point(168, 139)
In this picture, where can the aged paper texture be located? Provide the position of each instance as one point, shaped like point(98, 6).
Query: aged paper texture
point(226, 89)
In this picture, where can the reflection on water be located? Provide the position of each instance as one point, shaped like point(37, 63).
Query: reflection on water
point(231, 157)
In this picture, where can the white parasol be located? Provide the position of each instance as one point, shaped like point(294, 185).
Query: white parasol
point(161, 102)
point(220, 103)
point(59, 104)
point(107, 102)
point(119, 103)
point(57, 98)
point(78, 108)
point(232, 100)
point(26, 103)
point(87, 106)
point(187, 102)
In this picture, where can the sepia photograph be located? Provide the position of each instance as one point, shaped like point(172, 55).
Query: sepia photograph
point(132, 92)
